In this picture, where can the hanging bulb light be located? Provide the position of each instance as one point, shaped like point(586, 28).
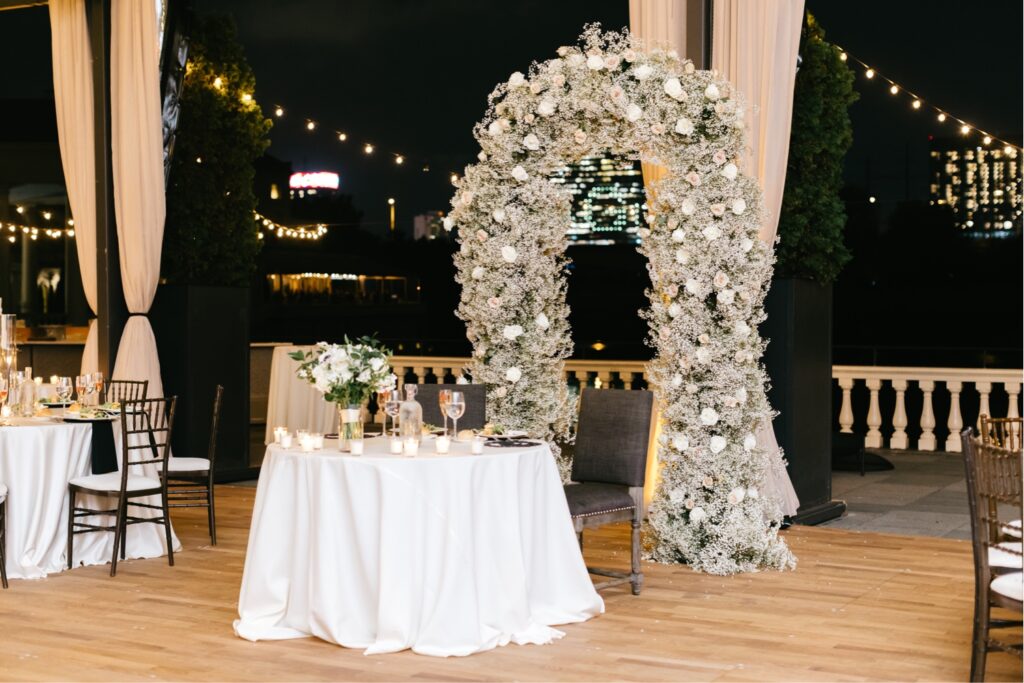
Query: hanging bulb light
point(916, 104)
point(368, 148)
point(310, 125)
point(987, 140)
point(342, 137)
point(942, 118)
point(870, 73)
point(278, 112)
point(399, 160)
point(893, 89)
point(842, 56)
point(965, 129)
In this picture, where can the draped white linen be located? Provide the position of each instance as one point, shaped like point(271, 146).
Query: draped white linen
point(37, 460)
point(446, 555)
point(754, 45)
point(73, 97)
point(137, 149)
point(295, 403)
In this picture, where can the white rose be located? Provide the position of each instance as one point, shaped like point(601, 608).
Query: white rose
point(513, 374)
point(511, 332)
point(536, 87)
point(509, 253)
point(704, 338)
point(495, 129)
point(711, 92)
point(749, 442)
point(376, 363)
point(683, 257)
point(687, 207)
point(576, 59)
point(448, 223)
point(482, 155)
point(674, 310)
point(730, 171)
point(677, 380)
point(742, 328)
point(712, 232)
point(546, 107)
point(697, 515)
point(466, 198)
point(737, 495)
point(579, 136)
point(558, 80)
point(676, 496)
point(741, 395)
point(752, 493)
point(684, 126)
point(680, 442)
point(708, 417)
point(678, 235)
point(692, 286)
point(531, 142)
point(516, 79)
point(720, 280)
point(520, 174)
point(595, 62)
point(500, 392)
point(634, 113)
point(478, 272)
point(746, 244)
point(739, 206)
point(612, 61)
point(674, 89)
point(703, 356)
point(498, 215)
point(717, 444)
point(726, 297)
point(542, 321)
point(642, 72)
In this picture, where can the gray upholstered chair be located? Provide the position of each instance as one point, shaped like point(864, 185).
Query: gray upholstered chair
point(475, 416)
point(609, 464)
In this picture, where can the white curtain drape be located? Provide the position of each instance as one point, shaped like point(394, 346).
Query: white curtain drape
point(72, 94)
point(137, 148)
point(754, 45)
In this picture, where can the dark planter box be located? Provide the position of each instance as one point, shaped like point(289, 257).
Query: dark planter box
point(799, 365)
point(202, 335)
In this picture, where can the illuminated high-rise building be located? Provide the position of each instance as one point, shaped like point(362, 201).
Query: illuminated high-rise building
point(607, 200)
point(980, 183)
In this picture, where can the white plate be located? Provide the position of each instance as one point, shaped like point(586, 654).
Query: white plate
point(56, 404)
point(75, 417)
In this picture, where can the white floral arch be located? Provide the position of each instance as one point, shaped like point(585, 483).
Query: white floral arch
point(709, 275)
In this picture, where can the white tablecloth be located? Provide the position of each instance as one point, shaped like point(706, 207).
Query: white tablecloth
point(447, 555)
point(37, 460)
point(295, 403)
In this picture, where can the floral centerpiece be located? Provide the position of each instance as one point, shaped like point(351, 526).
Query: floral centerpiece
point(347, 374)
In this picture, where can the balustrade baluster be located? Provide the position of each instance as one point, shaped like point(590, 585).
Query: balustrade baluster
point(605, 375)
point(899, 416)
point(984, 389)
point(846, 410)
point(955, 421)
point(1012, 391)
point(874, 437)
point(927, 440)
point(420, 372)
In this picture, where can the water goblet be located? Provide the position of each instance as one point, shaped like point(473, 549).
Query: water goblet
point(443, 396)
point(455, 409)
point(392, 404)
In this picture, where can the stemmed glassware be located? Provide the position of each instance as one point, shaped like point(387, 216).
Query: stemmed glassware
point(97, 384)
point(3, 394)
point(81, 382)
point(443, 396)
point(392, 402)
point(455, 408)
point(64, 389)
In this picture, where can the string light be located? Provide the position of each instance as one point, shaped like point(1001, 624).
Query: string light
point(342, 137)
point(246, 97)
point(399, 159)
point(917, 102)
point(300, 232)
point(32, 232)
point(368, 148)
point(310, 125)
point(278, 112)
point(218, 83)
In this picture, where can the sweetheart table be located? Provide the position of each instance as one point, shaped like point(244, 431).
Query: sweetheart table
point(38, 457)
point(444, 554)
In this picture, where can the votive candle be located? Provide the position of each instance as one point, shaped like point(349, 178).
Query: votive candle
point(286, 440)
point(318, 440)
point(38, 381)
point(411, 447)
point(54, 379)
point(355, 446)
point(278, 433)
point(305, 443)
point(442, 444)
point(477, 446)
point(396, 446)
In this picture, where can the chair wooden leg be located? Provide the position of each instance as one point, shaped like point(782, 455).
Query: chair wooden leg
point(636, 579)
point(124, 533)
point(122, 511)
point(211, 514)
point(3, 544)
point(979, 645)
point(71, 530)
point(167, 529)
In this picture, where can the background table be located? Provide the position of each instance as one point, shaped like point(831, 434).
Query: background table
point(295, 403)
point(447, 555)
point(37, 460)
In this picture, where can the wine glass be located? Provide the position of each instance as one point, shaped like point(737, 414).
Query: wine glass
point(80, 384)
point(455, 409)
point(443, 396)
point(392, 403)
point(64, 389)
point(97, 382)
point(3, 391)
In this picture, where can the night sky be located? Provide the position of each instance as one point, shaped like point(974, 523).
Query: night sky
point(413, 77)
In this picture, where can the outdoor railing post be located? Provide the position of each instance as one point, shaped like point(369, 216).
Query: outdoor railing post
point(927, 440)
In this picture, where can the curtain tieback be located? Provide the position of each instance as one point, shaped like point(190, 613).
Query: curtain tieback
point(144, 315)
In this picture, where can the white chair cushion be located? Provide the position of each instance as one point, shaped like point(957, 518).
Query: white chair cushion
point(111, 481)
point(1002, 555)
point(3, 493)
point(1012, 528)
point(1010, 585)
point(187, 464)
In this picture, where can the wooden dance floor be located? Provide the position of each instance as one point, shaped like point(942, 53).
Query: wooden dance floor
point(859, 606)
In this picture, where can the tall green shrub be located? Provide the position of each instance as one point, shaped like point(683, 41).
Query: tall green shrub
point(812, 218)
point(210, 236)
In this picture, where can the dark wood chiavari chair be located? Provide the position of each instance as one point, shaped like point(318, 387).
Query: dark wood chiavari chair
point(146, 427)
point(1005, 432)
point(190, 480)
point(122, 390)
point(993, 484)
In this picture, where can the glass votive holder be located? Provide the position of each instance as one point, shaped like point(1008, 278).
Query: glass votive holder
point(306, 443)
point(355, 446)
point(301, 433)
point(396, 446)
point(442, 444)
point(477, 445)
point(278, 432)
point(54, 379)
point(411, 447)
point(286, 440)
point(318, 440)
point(38, 381)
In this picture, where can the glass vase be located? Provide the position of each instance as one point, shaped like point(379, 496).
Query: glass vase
point(350, 425)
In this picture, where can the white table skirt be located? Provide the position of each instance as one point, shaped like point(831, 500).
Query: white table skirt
point(295, 403)
point(446, 555)
point(37, 460)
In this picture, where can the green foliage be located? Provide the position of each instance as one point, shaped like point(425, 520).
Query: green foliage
point(812, 218)
point(210, 237)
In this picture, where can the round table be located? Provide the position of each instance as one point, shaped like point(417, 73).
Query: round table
point(444, 554)
point(38, 457)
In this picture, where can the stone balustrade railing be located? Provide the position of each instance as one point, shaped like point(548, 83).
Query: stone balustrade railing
point(900, 380)
point(621, 374)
